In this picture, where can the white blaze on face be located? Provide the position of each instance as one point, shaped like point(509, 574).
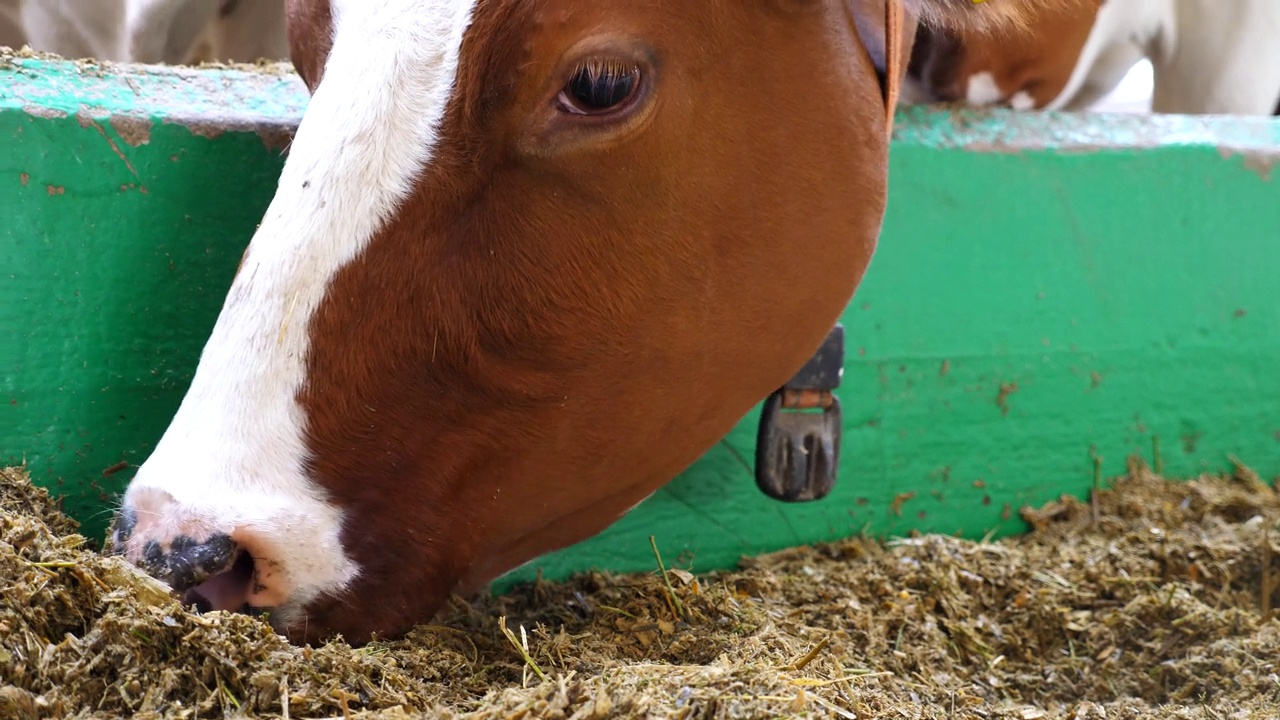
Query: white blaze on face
point(233, 457)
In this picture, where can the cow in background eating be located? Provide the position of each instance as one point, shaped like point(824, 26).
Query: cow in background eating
point(1208, 57)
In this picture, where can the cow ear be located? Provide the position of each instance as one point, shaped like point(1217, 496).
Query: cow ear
point(870, 17)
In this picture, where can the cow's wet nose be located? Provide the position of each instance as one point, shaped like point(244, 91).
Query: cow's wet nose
point(214, 574)
point(185, 562)
point(209, 564)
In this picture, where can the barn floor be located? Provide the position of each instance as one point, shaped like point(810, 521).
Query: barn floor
point(1146, 604)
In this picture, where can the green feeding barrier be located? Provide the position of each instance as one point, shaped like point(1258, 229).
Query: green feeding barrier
point(1052, 294)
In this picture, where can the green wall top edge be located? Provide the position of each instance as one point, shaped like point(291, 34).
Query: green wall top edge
point(209, 99)
point(246, 97)
point(1004, 130)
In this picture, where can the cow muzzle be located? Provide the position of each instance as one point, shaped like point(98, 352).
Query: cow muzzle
point(207, 569)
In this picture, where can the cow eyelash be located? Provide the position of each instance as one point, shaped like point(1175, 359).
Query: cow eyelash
point(600, 86)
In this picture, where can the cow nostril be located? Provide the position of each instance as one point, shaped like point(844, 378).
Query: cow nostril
point(126, 520)
point(198, 603)
point(227, 590)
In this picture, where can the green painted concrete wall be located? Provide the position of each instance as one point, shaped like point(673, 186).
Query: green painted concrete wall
point(1048, 288)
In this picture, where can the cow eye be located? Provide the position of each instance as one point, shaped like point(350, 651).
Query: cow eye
point(598, 87)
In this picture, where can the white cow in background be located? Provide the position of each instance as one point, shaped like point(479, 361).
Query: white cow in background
point(148, 31)
point(1202, 57)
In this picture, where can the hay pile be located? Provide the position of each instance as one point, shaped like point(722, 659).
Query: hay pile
point(1146, 604)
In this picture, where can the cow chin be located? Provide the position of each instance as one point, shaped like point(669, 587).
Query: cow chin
point(372, 608)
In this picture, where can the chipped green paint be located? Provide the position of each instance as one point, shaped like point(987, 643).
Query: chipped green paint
point(1048, 288)
point(127, 199)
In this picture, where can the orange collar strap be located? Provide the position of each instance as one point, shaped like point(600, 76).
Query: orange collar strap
point(893, 60)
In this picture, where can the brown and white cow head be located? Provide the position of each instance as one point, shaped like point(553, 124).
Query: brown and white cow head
point(527, 260)
point(1024, 67)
